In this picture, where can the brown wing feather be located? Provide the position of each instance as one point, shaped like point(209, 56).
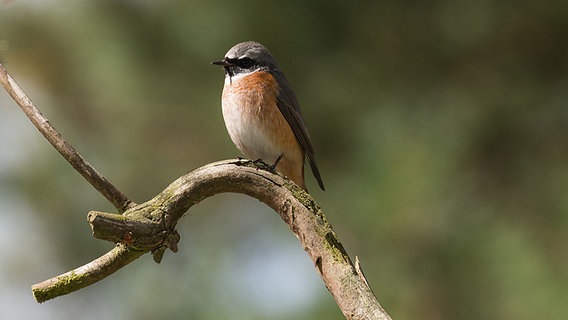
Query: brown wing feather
point(290, 109)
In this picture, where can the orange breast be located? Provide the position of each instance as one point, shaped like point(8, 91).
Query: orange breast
point(256, 125)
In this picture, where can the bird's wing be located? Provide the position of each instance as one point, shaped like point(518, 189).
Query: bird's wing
point(290, 109)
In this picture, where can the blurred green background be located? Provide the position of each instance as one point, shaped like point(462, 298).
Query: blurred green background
point(440, 127)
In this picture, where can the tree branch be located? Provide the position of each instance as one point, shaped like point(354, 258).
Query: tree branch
point(107, 189)
point(150, 226)
point(86, 275)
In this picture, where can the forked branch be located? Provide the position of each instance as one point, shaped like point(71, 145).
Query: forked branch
point(150, 227)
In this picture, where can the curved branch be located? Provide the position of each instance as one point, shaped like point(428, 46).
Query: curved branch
point(107, 189)
point(158, 218)
point(150, 227)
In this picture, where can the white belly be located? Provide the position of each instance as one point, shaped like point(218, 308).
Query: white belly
point(249, 132)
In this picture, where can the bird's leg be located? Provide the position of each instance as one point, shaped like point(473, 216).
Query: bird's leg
point(273, 167)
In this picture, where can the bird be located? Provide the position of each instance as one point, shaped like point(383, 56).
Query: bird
point(262, 114)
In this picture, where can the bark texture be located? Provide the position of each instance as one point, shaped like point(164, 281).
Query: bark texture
point(150, 226)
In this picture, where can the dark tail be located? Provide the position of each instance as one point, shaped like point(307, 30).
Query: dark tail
point(315, 171)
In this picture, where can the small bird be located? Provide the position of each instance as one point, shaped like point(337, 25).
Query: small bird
point(262, 114)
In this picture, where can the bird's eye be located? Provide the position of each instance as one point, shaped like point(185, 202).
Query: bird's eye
point(245, 63)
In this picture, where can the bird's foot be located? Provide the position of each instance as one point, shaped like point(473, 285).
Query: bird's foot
point(270, 167)
point(259, 163)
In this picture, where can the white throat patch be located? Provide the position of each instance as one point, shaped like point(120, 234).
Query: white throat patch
point(229, 79)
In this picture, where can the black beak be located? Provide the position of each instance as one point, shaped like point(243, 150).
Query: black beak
point(226, 65)
point(221, 63)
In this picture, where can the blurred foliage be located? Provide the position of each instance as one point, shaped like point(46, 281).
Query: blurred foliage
point(441, 130)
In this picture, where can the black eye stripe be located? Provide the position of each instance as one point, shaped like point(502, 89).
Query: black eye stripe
point(245, 62)
point(237, 65)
